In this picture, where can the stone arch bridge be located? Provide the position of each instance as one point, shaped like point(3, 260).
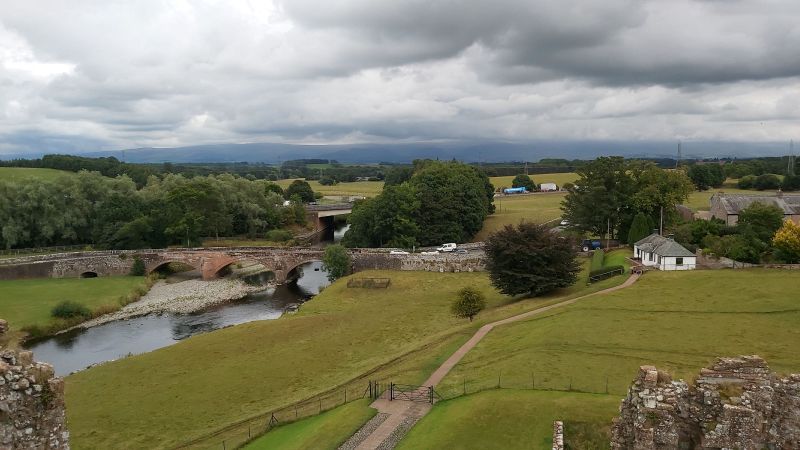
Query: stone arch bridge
point(212, 261)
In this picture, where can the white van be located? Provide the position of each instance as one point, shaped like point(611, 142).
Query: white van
point(447, 248)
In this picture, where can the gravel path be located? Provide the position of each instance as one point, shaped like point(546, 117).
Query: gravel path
point(182, 298)
point(364, 431)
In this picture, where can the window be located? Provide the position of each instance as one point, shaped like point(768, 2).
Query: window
point(678, 261)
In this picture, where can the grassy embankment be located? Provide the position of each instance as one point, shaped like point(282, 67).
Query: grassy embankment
point(210, 381)
point(677, 321)
point(326, 431)
point(28, 303)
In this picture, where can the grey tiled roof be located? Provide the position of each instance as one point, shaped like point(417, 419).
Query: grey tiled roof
point(733, 204)
point(663, 246)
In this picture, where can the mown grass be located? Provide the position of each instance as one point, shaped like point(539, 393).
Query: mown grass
point(22, 173)
point(365, 188)
point(677, 321)
point(28, 303)
point(510, 419)
point(701, 200)
point(209, 381)
point(326, 431)
point(511, 210)
point(558, 178)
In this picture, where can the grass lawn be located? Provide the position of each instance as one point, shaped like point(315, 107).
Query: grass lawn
point(678, 321)
point(512, 210)
point(21, 173)
point(511, 419)
point(209, 381)
point(326, 431)
point(365, 188)
point(28, 302)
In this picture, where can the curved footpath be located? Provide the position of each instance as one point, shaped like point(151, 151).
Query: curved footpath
point(401, 415)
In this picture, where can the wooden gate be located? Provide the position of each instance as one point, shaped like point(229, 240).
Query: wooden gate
point(422, 394)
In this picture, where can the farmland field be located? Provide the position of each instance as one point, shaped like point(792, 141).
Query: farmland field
point(21, 173)
point(511, 210)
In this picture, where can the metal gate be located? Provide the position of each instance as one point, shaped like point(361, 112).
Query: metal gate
point(422, 394)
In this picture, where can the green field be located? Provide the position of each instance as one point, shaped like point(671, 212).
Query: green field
point(678, 321)
point(21, 173)
point(511, 210)
point(558, 178)
point(365, 188)
point(322, 432)
point(172, 395)
point(511, 419)
point(701, 200)
point(29, 302)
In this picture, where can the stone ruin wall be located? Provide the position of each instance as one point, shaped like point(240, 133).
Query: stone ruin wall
point(32, 412)
point(738, 403)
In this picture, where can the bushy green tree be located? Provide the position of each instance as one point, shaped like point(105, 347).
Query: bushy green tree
point(746, 182)
point(705, 176)
point(398, 175)
point(641, 227)
point(386, 220)
point(301, 189)
point(787, 242)
point(791, 183)
point(469, 303)
point(525, 181)
point(530, 259)
point(767, 181)
point(761, 220)
point(336, 261)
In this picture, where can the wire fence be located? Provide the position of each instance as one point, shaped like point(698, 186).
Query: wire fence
point(528, 381)
point(240, 433)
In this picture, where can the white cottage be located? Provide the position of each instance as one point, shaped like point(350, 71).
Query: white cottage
point(664, 253)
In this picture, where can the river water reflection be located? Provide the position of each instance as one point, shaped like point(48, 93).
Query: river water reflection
point(78, 349)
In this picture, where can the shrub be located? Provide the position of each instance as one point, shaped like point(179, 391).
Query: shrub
point(138, 269)
point(469, 303)
point(767, 181)
point(69, 309)
point(336, 261)
point(597, 259)
point(279, 235)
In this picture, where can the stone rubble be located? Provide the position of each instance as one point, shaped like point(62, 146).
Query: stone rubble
point(32, 412)
point(558, 435)
point(182, 298)
point(738, 403)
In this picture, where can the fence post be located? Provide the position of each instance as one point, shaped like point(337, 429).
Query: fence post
point(223, 444)
point(320, 405)
point(345, 395)
point(533, 380)
point(465, 386)
point(498, 379)
point(249, 436)
point(570, 383)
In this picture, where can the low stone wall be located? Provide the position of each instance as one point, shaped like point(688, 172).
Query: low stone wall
point(737, 403)
point(32, 412)
point(713, 262)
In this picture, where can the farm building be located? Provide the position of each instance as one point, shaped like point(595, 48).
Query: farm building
point(726, 207)
point(548, 187)
point(664, 253)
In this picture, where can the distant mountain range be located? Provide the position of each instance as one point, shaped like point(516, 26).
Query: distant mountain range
point(463, 151)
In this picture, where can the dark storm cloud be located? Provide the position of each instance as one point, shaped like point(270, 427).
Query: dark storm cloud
point(169, 73)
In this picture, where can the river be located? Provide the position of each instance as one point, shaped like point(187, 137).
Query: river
point(80, 348)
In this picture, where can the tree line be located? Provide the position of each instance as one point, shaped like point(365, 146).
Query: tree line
point(90, 208)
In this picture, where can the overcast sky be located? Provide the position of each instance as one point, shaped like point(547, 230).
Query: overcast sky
point(89, 75)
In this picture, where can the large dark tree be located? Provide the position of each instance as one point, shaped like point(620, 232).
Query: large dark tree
point(611, 191)
point(530, 259)
point(641, 227)
point(706, 176)
point(760, 220)
point(525, 181)
point(386, 220)
point(301, 189)
point(454, 201)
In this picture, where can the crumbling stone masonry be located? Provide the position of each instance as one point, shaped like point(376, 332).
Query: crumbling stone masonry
point(738, 403)
point(31, 404)
point(558, 435)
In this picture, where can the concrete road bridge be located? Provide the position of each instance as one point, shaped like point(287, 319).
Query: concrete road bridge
point(212, 262)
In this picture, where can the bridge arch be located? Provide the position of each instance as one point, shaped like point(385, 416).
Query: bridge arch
point(248, 266)
point(291, 269)
point(163, 263)
point(89, 274)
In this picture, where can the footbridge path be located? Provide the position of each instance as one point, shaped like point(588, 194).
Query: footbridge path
point(400, 415)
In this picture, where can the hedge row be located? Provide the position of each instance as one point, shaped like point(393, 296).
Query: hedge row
point(598, 257)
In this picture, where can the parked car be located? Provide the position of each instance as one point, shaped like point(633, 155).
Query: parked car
point(398, 252)
point(428, 253)
point(564, 223)
point(447, 248)
point(460, 251)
